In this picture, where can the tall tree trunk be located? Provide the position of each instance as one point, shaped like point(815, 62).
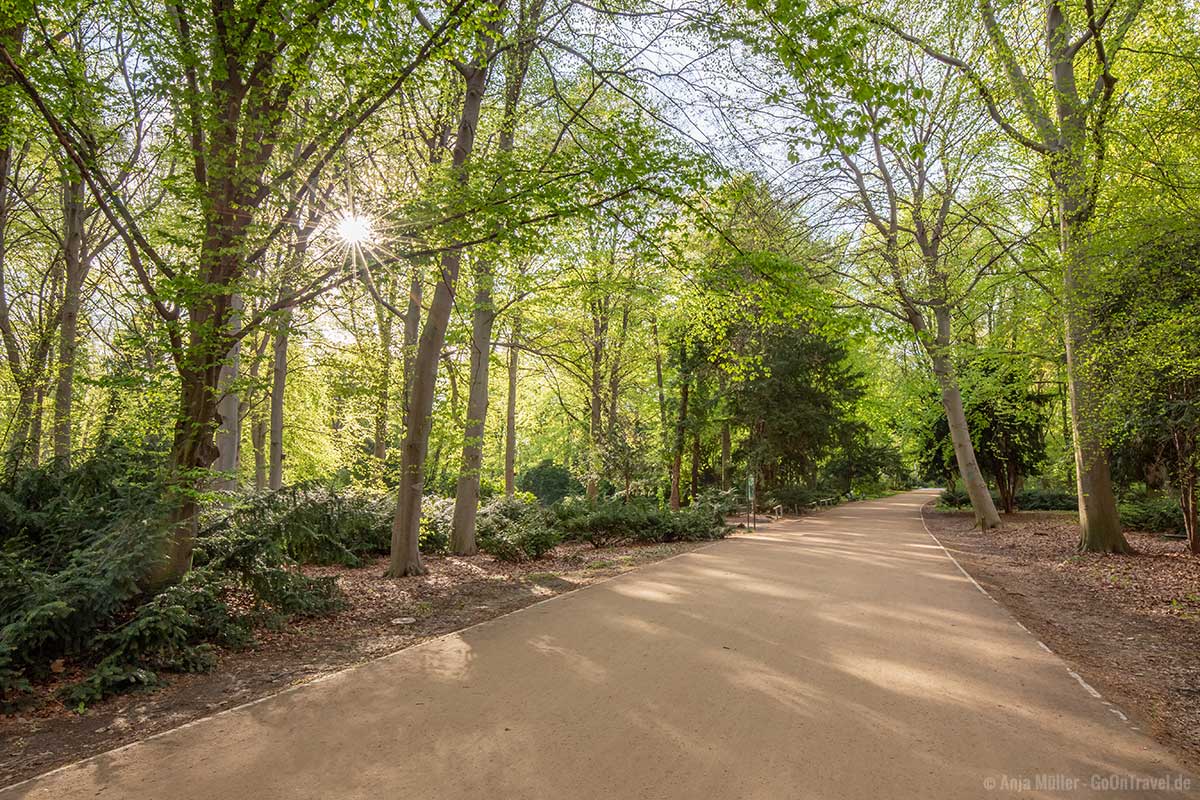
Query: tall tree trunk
point(279, 357)
point(19, 428)
point(258, 440)
point(412, 330)
point(726, 447)
point(203, 353)
point(466, 495)
point(35, 428)
point(76, 265)
point(614, 373)
point(194, 449)
point(1188, 505)
point(384, 388)
point(253, 413)
point(24, 448)
point(1076, 180)
point(279, 369)
point(680, 433)
point(1006, 485)
point(434, 463)
point(19, 432)
point(937, 345)
point(658, 375)
point(13, 39)
point(664, 428)
point(599, 338)
point(596, 410)
point(229, 434)
point(1099, 517)
point(986, 515)
point(510, 417)
point(406, 527)
point(695, 466)
point(483, 316)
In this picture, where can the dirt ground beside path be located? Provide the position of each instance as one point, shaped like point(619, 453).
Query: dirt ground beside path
point(382, 616)
point(1130, 625)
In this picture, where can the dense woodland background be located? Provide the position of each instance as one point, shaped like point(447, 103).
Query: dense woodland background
point(288, 282)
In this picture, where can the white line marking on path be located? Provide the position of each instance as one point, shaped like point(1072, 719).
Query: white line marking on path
point(1087, 687)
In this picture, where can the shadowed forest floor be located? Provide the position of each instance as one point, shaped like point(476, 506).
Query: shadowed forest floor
point(1129, 624)
point(382, 616)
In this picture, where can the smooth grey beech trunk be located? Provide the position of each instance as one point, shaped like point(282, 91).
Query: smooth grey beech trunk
point(258, 440)
point(483, 315)
point(406, 526)
point(258, 425)
point(466, 495)
point(383, 389)
point(982, 504)
point(279, 361)
point(279, 366)
point(229, 434)
point(510, 418)
point(600, 311)
point(1099, 518)
point(726, 447)
point(76, 262)
point(1074, 181)
point(1067, 131)
point(676, 499)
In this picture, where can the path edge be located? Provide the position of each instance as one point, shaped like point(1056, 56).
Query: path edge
point(1087, 687)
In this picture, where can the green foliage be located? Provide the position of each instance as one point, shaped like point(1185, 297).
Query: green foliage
point(317, 524)
point(1026, 499)
point(1047, 500)
point(954, 498)
point(695, 523)
point(724, 502)
point(797, 498)
point(1007, 417)
point(437, 517)
point(609, 522)
point(799, 402)
point(550, 482)
point(866, 466)
point(1153, 514)
point(1149, 359)
point(76, 544)
point(516, 529)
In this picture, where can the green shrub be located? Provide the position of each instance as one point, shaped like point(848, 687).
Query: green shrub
point(91, 610)
point(515, 529)
point(75, 545)
point(608, 522)
point(954, 498)
point(1047, 500)
point(1027, 499)
point(316, 524)
point(723, 500)
point(603, 523)
point(796, 498)
point(1153, 514)
point(697, 523)
point(549, 482)
point(437, 516)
